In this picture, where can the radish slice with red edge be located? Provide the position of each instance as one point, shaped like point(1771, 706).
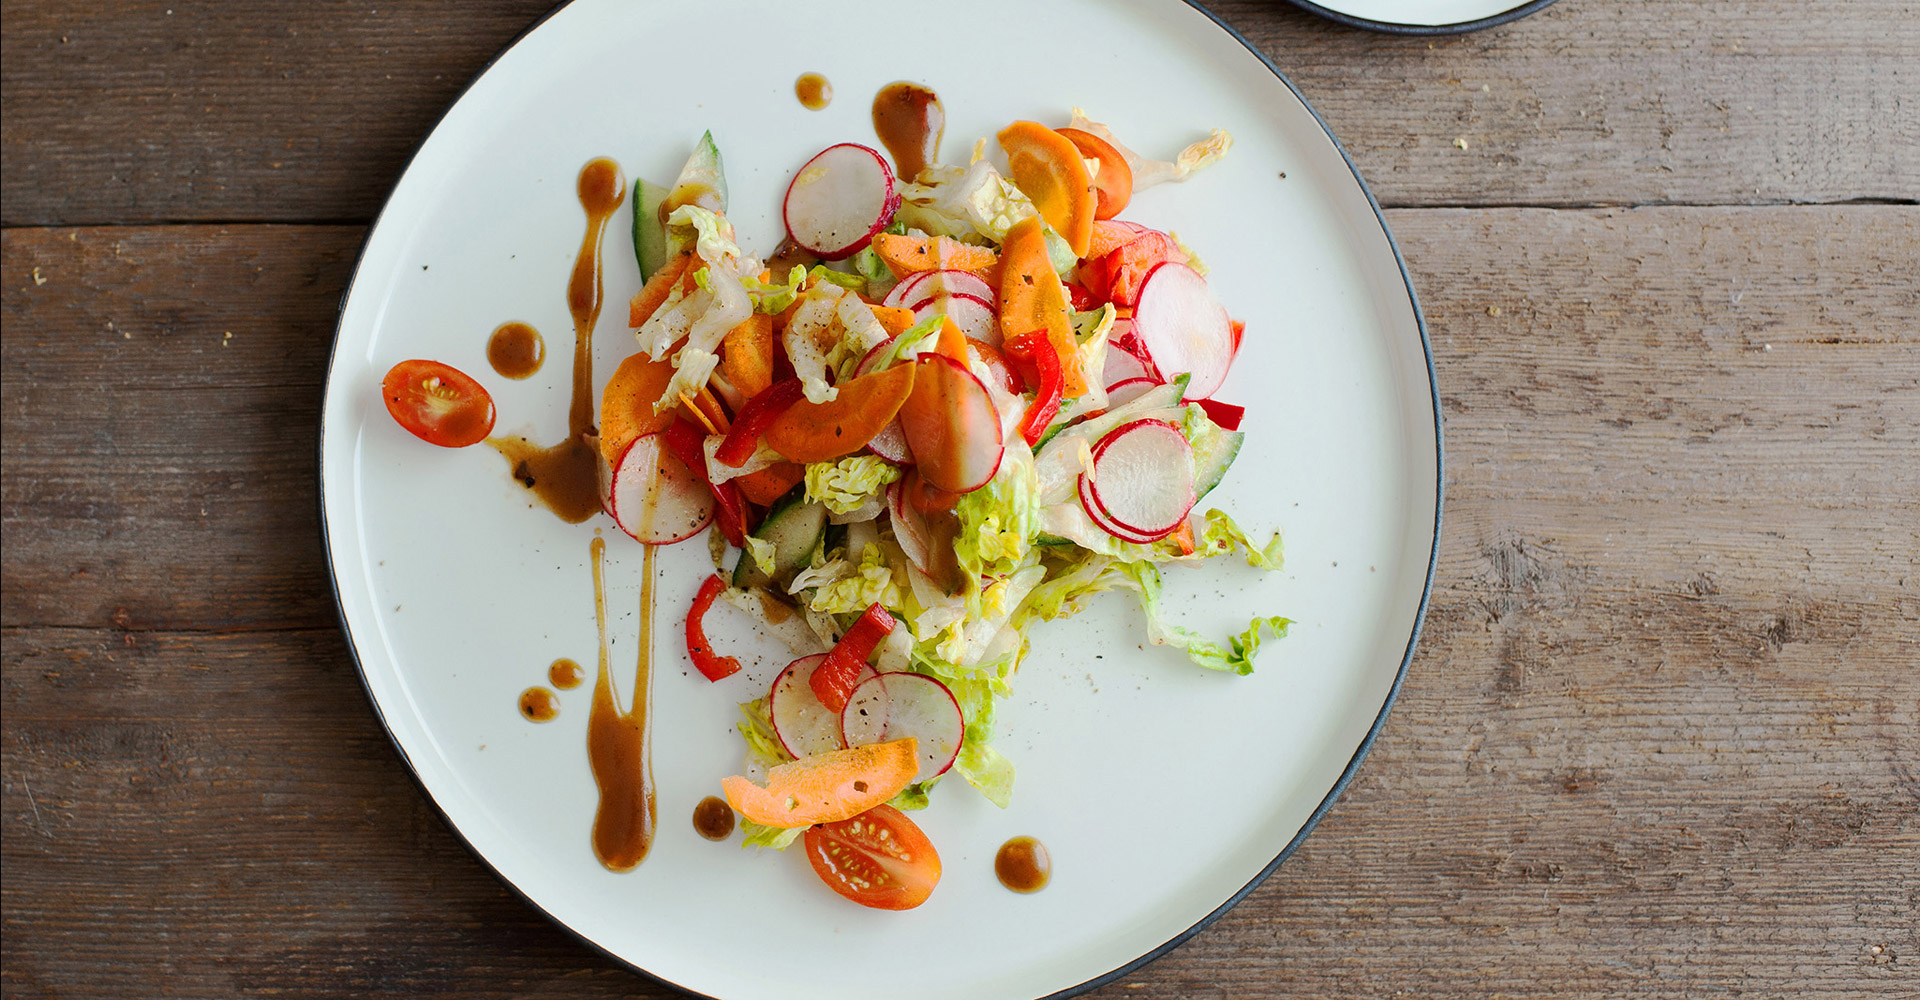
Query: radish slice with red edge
point(1183, 329)
point(909, 527)
point(891, 442)
point(1143, 477)
point(951, 426)
point(903, 704)
point(840, 199)
point(972, 315)
point(805, 727)
point(1122, 366)
point(1104, 521)
point(920, 286)
point(655, 497)
point(1127, 390)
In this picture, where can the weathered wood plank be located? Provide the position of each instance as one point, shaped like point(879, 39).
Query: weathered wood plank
point(1659, 740)
point(161, 396)
point(273, 112)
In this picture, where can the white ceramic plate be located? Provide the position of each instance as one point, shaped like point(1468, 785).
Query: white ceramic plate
point(1423, 17)
point(1164, 791)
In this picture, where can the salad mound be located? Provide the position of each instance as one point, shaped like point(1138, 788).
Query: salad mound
point(951, 406)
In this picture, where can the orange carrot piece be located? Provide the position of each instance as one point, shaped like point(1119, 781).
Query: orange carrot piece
point(906, 254)
point(770, 483)
point(1032, 298)
point(746, 355)
point(820, 432)
point(1046, 167)
point(951, 343)
point(626, 408)
point(656, 290)
point(894, 320)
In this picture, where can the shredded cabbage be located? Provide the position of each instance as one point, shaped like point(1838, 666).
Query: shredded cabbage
point(848, 484)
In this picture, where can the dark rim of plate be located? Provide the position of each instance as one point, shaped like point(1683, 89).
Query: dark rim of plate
point(1326, 803)
point(1396, 28)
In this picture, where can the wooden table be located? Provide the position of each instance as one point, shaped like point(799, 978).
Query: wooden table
point(1662, 737)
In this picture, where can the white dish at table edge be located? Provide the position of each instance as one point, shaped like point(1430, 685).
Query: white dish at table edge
point(1165, 792)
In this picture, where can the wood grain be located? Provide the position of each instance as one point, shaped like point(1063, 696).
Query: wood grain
point(1659, 740)
point(250, 110)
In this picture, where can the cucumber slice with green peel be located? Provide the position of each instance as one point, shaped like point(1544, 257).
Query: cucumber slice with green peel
point(704, 170)
point(702, 182)
point(649, 233)
point(1212, 456)
point(795, 529)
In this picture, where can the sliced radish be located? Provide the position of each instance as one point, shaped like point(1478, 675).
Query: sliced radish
point(1183, 328)
point(896, 705)
point(1122, 366)
point(972, 315)
point(655, 497)
point(1143, 476)
point(909, 528)
point(1127, 390)
point(839, 200)
point(891, 444)
point(899, 298)
point(864, 720)
point(951, 426)
point(920, 286)
point(805, 726)
point(1104, 521)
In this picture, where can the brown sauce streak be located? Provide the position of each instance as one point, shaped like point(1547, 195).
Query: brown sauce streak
point(910, 121)
point(813, 90)
point(566, 674)
point(617, 742)
point(713, 818)
point(566, 476)
point(1023, 865)
point(539, 705)
point(516, 350)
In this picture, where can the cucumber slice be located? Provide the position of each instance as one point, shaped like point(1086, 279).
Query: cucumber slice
point(1212, 456)
point(705, 167)
point(795, 529)
point(649, 233)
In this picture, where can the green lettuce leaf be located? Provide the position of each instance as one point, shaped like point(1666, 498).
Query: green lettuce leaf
point(998, 521)
point(846, 484)
point(1236, 656)
point(779, 838)
point(1221, 535)
point(775, 297)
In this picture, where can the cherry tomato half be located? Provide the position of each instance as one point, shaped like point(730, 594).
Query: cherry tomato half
point(1113, 182)
point(878, 858)
point(437, 403)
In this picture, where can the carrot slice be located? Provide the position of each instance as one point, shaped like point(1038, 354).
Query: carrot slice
point(626, 408)
point(656, 290)
point(1113, 182)
point(746, 355)
point(827, 787)
point(1047, 168)
point(1032, 298)
point(906, 254)
point(894, 320)
point(820, 432)
point(770, 483)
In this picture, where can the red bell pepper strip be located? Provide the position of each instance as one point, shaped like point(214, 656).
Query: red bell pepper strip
point(753, 419)
point(834, 679)
point(1227, 415)
point(711, 664)
point(688, 444)
point(1037, 348)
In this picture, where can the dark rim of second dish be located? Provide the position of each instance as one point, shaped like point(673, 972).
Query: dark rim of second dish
point(1397, 28)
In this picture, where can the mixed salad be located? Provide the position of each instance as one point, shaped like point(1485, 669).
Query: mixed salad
point(950, 407)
